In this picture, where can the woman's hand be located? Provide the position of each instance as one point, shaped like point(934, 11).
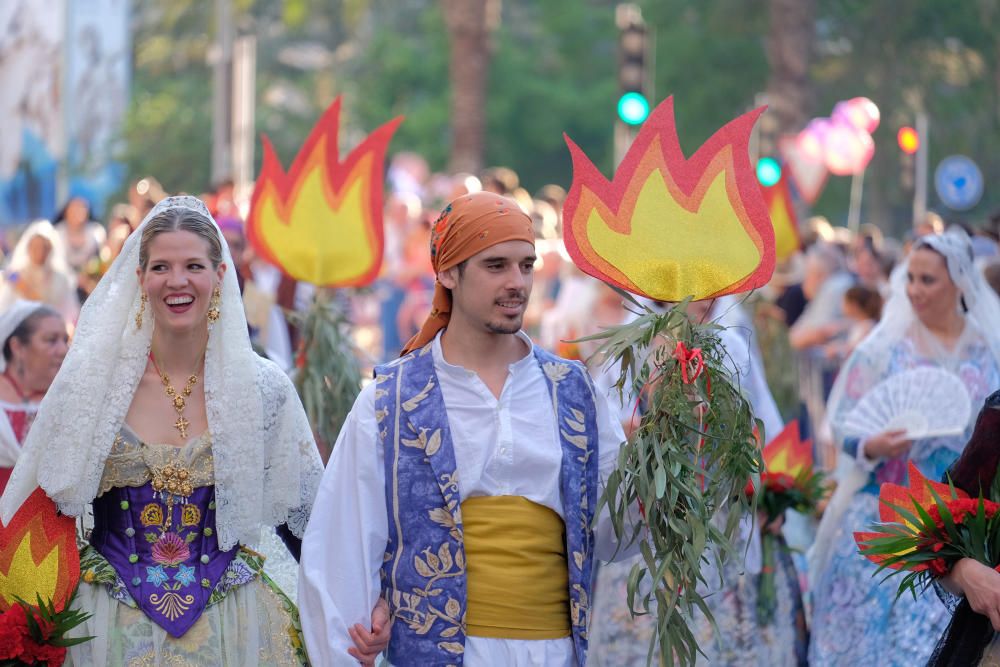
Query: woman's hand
point(367, 645)
point(773, 527)
point(888, 444)
point(980, 585)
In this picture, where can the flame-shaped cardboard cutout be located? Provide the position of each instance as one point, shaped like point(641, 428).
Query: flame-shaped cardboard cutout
point(667, 226)
point(787, 453)
point(787, 239)
point(321, 222)
point(38, 554)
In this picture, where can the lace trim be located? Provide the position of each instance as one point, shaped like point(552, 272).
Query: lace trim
point(133, 463)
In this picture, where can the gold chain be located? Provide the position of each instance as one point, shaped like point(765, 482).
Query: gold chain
point(177, 399)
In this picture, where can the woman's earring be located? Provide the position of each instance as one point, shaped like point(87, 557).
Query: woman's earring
point(142, 309)
point(213, 311)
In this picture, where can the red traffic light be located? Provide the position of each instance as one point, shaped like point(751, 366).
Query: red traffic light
point(908, 139)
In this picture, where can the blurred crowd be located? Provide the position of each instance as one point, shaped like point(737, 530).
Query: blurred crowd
point(820, 303)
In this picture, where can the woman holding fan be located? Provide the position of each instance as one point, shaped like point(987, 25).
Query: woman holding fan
point(941, 314)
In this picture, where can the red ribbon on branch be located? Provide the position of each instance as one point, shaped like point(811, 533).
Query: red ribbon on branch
point(691, 361)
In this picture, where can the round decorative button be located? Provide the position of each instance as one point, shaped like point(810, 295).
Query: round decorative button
point(207, 532)
point(130, 531)
point(123, 504)
point(204, 558)
point(136, 581)
point(206, 583)
point(132, 558)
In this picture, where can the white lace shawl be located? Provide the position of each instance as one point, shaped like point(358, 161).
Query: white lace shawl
point(266, 464)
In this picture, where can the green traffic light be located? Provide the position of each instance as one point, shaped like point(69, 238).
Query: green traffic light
point(633, 108)
point(768, 171)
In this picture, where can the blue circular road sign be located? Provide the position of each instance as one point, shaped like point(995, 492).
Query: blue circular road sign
point(958, 182)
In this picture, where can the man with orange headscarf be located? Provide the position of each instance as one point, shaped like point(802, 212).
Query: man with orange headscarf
point(464, 483)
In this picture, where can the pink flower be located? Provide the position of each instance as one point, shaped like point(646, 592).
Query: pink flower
point(170, 550)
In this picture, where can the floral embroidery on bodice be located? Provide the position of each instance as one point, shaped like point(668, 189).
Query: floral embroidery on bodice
point(154, 522)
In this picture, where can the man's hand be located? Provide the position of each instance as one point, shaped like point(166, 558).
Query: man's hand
point(980, 585)
point(367, 645)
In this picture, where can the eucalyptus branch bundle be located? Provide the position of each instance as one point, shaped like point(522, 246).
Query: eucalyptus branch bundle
point(685, 467)
point(328, 375)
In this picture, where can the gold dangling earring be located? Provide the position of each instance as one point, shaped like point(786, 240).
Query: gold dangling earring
point(213, 311)
point(142, 309)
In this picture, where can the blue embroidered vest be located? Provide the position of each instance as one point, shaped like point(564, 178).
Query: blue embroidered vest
point(423, 574)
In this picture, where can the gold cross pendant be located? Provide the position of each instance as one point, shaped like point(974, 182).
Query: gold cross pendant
point(181, 425)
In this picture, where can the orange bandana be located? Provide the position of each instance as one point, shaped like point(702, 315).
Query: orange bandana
point(466, 227)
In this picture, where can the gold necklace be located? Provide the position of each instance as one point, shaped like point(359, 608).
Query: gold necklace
point(177, 398)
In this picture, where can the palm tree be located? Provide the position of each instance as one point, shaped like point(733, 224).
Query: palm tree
point(790, 40)
point(471, 24)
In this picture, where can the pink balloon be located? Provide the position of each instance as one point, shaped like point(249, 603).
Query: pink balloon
point(848, 150)
point(859, 112)
point(812, 140)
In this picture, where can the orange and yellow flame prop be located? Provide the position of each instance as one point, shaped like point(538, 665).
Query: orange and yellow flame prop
point(669, 227)
point(778, 199)
point(321, 222)
point(38, 554)
point(787, 454)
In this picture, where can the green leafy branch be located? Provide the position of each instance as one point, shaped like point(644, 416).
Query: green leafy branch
point(688, 460)
point(328, 376)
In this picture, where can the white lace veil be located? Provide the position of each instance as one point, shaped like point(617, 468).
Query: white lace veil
point(267, 468)
point(56, 261)
point(868, 363)
point(899, 321)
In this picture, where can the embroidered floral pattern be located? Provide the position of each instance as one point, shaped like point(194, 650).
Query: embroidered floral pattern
point(185, 575)
point(190, 515)
point(152, 515)
point(95, 569)
point(242, 570)
point(156, 575)
point(170, 550)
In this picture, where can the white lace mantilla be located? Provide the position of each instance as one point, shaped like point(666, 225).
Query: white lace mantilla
point(267, 467)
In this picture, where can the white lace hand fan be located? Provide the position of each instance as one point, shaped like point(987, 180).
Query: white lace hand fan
point(926, 402)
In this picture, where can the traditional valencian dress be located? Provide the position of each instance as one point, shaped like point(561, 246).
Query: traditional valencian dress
point(167, 574)
point(856, 619)
point(17, 417)
point(153, 572)
point(472, 515)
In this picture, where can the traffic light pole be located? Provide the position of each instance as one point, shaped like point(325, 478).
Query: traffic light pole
point(920, 184)
point(624, 136)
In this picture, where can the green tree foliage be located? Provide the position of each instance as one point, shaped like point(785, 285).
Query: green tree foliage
point(554, 71)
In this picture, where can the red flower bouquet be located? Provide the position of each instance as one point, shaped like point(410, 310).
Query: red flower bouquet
point(35, 635)
point(927, 527)
point(788, 482)
point(38, 560)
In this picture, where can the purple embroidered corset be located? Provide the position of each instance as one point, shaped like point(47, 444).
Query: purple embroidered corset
point(155, 524)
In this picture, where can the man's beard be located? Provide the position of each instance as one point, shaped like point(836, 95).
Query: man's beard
point(505, 327)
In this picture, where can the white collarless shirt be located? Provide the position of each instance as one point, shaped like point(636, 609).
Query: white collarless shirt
point(505, 446)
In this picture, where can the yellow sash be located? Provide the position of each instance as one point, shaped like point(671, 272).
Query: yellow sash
point(516, 571)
